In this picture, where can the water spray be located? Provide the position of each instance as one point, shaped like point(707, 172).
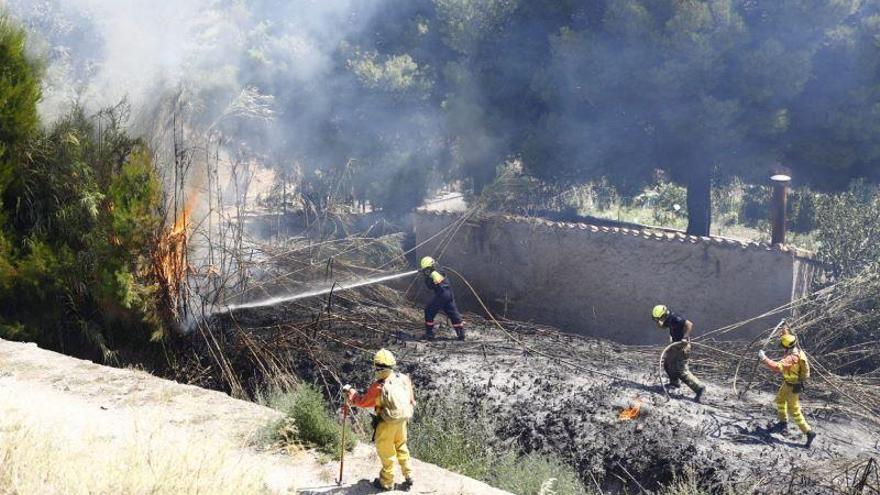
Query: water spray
point(274, 301)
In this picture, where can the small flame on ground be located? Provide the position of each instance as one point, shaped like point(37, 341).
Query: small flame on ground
point(631, 413)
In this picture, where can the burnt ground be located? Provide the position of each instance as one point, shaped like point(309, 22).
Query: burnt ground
point(546, 405)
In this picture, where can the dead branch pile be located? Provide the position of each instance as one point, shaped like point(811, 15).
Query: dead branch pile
point(843, 326)
point(838, 327)
point(244, 350)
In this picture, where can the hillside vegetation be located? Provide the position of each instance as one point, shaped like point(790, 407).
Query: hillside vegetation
point(81, 211)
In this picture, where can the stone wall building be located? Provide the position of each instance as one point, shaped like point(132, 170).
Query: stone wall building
point(603, 281)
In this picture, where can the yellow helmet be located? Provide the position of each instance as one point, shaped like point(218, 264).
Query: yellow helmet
point(384, 359)
point(788, 340)
point(427, 262)
point(660, 311)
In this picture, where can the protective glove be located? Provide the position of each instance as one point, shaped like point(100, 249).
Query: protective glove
point(348, 391)
point(761, 354)
point(797, 388)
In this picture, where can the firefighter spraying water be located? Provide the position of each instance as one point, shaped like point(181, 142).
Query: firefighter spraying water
point(442, 300)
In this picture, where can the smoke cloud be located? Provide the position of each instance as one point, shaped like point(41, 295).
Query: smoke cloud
point(395, 94)
point(300, 85)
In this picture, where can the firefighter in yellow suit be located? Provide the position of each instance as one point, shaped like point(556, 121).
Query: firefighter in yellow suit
point(794, 368)
point(390, 437)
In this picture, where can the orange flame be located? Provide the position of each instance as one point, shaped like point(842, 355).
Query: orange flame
point(631, 413)
point(181, 223)
point(171, 259)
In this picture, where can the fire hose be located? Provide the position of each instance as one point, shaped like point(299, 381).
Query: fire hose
point(755, 366)
point(660, 364)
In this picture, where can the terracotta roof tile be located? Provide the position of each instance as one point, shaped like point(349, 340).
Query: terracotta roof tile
point(647, 232)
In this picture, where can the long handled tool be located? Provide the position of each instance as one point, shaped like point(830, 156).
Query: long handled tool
point(755, 366)
point(345, 408)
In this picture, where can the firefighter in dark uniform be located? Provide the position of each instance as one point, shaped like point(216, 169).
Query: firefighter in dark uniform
point(443, 300)
point(675, 362)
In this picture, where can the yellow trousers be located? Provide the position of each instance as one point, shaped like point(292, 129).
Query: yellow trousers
point(391, 444)
point(789, 403)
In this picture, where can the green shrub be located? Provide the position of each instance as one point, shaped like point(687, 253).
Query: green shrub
point(535, 474)
point(800, 207)
point(755, 205)
point(83, 214)
point(80, 209)
point(604, 195)
point(20, 91)
point(447, 433)
point(461, 438)
point(848, 229)
point(727, 202)
point(801, 210)
point(307, 422)
point(666, 200)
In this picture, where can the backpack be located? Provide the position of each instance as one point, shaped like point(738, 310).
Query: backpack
point(803, 368)
point(396, 398)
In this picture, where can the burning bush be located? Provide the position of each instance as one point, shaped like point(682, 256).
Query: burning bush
point(82, 216)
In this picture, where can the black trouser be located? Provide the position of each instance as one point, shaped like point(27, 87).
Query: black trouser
point(442, 301)
point(675, 362)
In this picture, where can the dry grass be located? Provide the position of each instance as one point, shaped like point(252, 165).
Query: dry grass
point(35, 458)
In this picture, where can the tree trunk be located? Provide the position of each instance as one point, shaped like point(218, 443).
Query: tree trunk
point(699, 202)
point(481, 175)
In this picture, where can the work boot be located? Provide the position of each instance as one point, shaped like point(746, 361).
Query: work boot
point(429, 335)
point(811, 435)
point(460, 333)
point(382, 488)
point(699, 394)
point(779, 427)
point(406, 485)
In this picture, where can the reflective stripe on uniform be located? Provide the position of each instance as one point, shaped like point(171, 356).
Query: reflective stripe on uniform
point(390, 445)
point(788, 404)
point(790, 367)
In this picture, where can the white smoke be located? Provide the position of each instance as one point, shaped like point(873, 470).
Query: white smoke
point(296, 85)
point(101, 51)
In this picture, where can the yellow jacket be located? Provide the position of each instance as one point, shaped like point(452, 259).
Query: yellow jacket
point(790, 365)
